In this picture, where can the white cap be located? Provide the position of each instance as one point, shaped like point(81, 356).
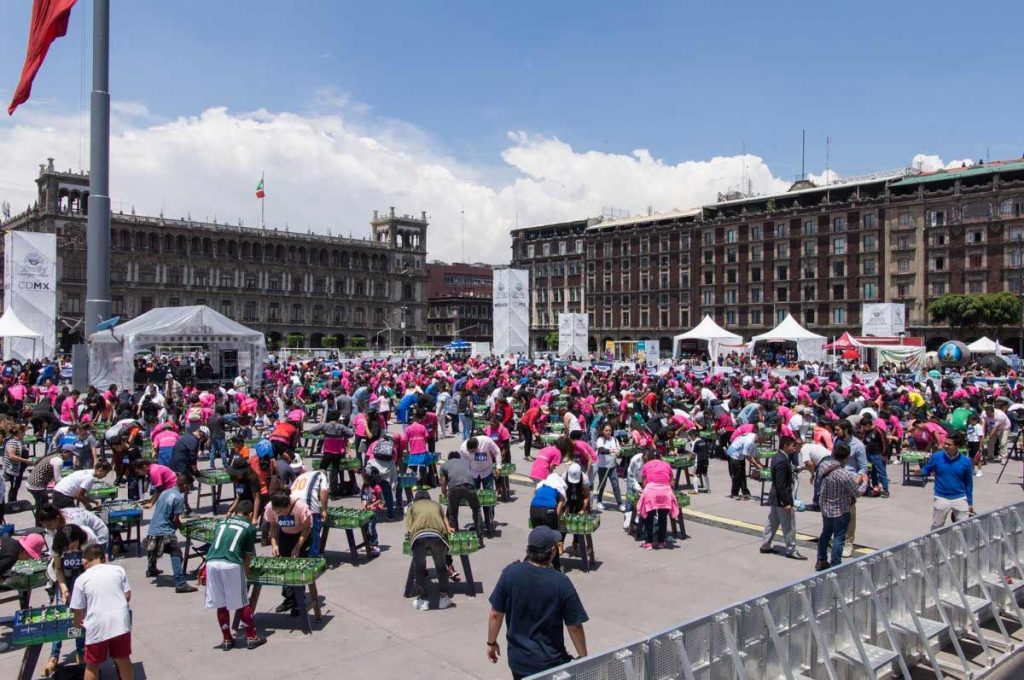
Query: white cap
point(574, 474)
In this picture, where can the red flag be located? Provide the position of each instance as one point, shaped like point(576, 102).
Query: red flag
point(49, 22)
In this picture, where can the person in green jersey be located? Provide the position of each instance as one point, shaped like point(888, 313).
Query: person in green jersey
point(227, 563)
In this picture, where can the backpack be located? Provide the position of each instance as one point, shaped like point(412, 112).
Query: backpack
point(384, 449)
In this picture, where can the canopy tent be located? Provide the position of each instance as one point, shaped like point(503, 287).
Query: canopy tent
point(809, 346)
point(985, 346)
point(707, 331)
point(112, 352)
point(13, 327)
point(843, 343)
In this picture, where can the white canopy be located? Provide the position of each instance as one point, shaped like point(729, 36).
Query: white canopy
point(710, 332)
point(809, 346)
point(112, 352)
point(984, 346)
point(13, 327)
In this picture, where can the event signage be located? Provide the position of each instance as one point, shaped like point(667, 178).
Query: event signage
point(511, 300)
point(30, 289)
point(572, 335)
point(883, 320)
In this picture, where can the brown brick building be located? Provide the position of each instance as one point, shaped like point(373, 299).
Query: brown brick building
point(459, 300)
point(818, 253)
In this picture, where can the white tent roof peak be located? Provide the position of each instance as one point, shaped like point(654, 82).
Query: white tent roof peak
point(788, 329)
point(984, 345)
point(707, 329)
point(13, 327)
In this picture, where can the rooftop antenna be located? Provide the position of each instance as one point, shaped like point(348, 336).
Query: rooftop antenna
point(803, 153)
point(462, 212)
point(743, 180)
point(828, 159)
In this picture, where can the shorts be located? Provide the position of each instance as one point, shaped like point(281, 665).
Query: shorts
point(225, 585)
point(119, 647)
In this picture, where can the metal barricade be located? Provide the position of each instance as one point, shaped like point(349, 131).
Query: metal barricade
point(879, 615)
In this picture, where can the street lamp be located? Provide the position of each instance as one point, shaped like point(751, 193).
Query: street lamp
point(1020, 276)
point(404, 310)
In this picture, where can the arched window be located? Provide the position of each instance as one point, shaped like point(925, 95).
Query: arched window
point(232, 249)
point(207, 247)
point(246, 249)
point(140, 241)
point(168, 243)
point(154, 243)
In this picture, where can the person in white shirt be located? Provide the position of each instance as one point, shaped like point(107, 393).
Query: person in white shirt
point(100, 602)
point(608, 451)
point(480, 453)
point(76, 486)
point(634, 485)
point(441, 409)
point(313, 488)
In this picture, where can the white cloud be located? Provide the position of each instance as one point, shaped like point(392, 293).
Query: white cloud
point(931, 163)
point(331, 167)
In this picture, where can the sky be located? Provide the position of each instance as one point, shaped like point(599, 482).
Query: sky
point(494, 115)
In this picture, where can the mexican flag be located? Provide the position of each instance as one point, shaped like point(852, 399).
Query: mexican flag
point(259, 189)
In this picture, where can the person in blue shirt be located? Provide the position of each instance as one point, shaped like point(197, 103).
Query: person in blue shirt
point(547, 506)
point(954, 483)
point(162, 536)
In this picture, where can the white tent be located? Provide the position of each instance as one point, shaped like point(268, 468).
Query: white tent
point(985, 346)
point(809, 346)
point(707, 331)
point(13, 327)
point(112, 352)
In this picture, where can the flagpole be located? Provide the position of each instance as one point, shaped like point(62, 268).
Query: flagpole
point(97, 296)
point(263, 216)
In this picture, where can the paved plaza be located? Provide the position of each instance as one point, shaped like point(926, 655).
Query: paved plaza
point(371, 630)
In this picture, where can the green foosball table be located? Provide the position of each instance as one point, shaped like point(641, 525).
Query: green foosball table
point(582, 529)
point(199, 530)
point(215, 480)
point(488, 499)
point(681, 464)
point(349, 520)
point(102, 491)
point(461, 544)
point(912, 462)
point(122, 516)
point(502, 483)
point(299, 573)
point(764, 476)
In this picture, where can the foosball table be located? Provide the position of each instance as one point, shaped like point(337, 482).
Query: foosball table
point(24, 577)
point(681, 464)
point(912, 462)
point(582, 527)
point(199, 530)
point(35, 627)
point(101, 491)
point(488, 500)
point(299, 573)
point(677, 527)
point(216, 480)
point(764, 475)
point(123, 516)
point(501, 481)
point(349, 520)
point(461, 544)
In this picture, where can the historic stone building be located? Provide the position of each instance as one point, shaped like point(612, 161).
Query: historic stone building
point(282, 283)
point(818, 253)
point(460, 300)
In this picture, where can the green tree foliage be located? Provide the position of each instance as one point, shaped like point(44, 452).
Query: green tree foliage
point(551, 340)
point(990, 310)
point(329, 341)
point(294, 339)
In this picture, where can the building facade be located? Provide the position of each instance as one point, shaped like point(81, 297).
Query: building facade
point(282, 283)
point(459, 299)
point(818, 253)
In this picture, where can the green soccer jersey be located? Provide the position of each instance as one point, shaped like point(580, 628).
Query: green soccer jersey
point(232, 538)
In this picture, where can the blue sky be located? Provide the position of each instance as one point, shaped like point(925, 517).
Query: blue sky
point(686, 80)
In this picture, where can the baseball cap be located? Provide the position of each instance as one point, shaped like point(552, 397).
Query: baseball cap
point(574, 474)
point(543, 538)
point(204, 430)
point(33, 544)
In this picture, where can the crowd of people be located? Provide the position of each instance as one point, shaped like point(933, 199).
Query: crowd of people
point(584, 432)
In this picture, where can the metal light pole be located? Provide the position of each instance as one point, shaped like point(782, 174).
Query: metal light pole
point(97, 292)
point(1020, 276)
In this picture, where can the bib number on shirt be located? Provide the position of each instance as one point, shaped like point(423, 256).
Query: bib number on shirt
point(286, 521)
point(480, 457)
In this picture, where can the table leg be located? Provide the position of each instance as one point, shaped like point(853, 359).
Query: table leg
point(352, 547)
point(682, 525)
point(325, 531)
point(29, 659)
point(316, 602)
point(689, 482)
point(489, 520)
point(188, 549)
point(580, 544)
point(467, 569)
point(24, 596)
point(679, 473)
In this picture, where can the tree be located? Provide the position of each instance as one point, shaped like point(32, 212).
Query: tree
point(329, 341)
point(358, 342)
point(294, 339)
point(990, 310)
point(551, 340)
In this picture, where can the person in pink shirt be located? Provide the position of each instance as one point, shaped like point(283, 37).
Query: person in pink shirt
point(163, 444)
point(500, 435)
point(17, 393)
point(657, 500)
point(69, 409)
point(550, 457)
point(161, 478)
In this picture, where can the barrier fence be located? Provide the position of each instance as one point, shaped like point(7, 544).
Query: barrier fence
point(954, 590)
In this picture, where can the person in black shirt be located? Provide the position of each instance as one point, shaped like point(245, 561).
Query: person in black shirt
point(874, 447)
point(535, 601)
point(780, 500)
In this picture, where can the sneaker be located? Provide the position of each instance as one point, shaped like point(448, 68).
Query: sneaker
point(254, 642)
point(646, 546)
point(420, 604)
point(226, 645)
point(186, 589)
point(626, 521)
point(978, 473)
point(375, 551)
point(153, 573)
point(622, 508)
point(659, 546)
point(282, 608)
point(796, 556)
point(444, 602)
point(885, 493)
point(766, 551)
point(848, 550)
point(821, 566)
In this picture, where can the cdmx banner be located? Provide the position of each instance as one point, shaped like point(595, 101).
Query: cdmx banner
point(572, 335)
point(511, 299)
point(30, 289)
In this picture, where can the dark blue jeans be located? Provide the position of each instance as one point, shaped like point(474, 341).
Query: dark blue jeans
point(389, 498)
point(834, 529)
point(879, 475)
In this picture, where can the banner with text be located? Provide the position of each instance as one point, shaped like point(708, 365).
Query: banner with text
point(511, 312)
point(883, 320)
point(572, 335)
point(30, 289)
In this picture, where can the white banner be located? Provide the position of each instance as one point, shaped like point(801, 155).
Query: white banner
point(572, 335)
point(511, 312)
point(30, 289)
point(883, 320)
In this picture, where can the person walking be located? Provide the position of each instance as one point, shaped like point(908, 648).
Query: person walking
point(780, 500)
point(100, 603)
point(954, 483)
point(535, 601)
point(838, 492)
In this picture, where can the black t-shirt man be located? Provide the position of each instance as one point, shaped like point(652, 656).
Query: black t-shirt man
point(537, 602)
